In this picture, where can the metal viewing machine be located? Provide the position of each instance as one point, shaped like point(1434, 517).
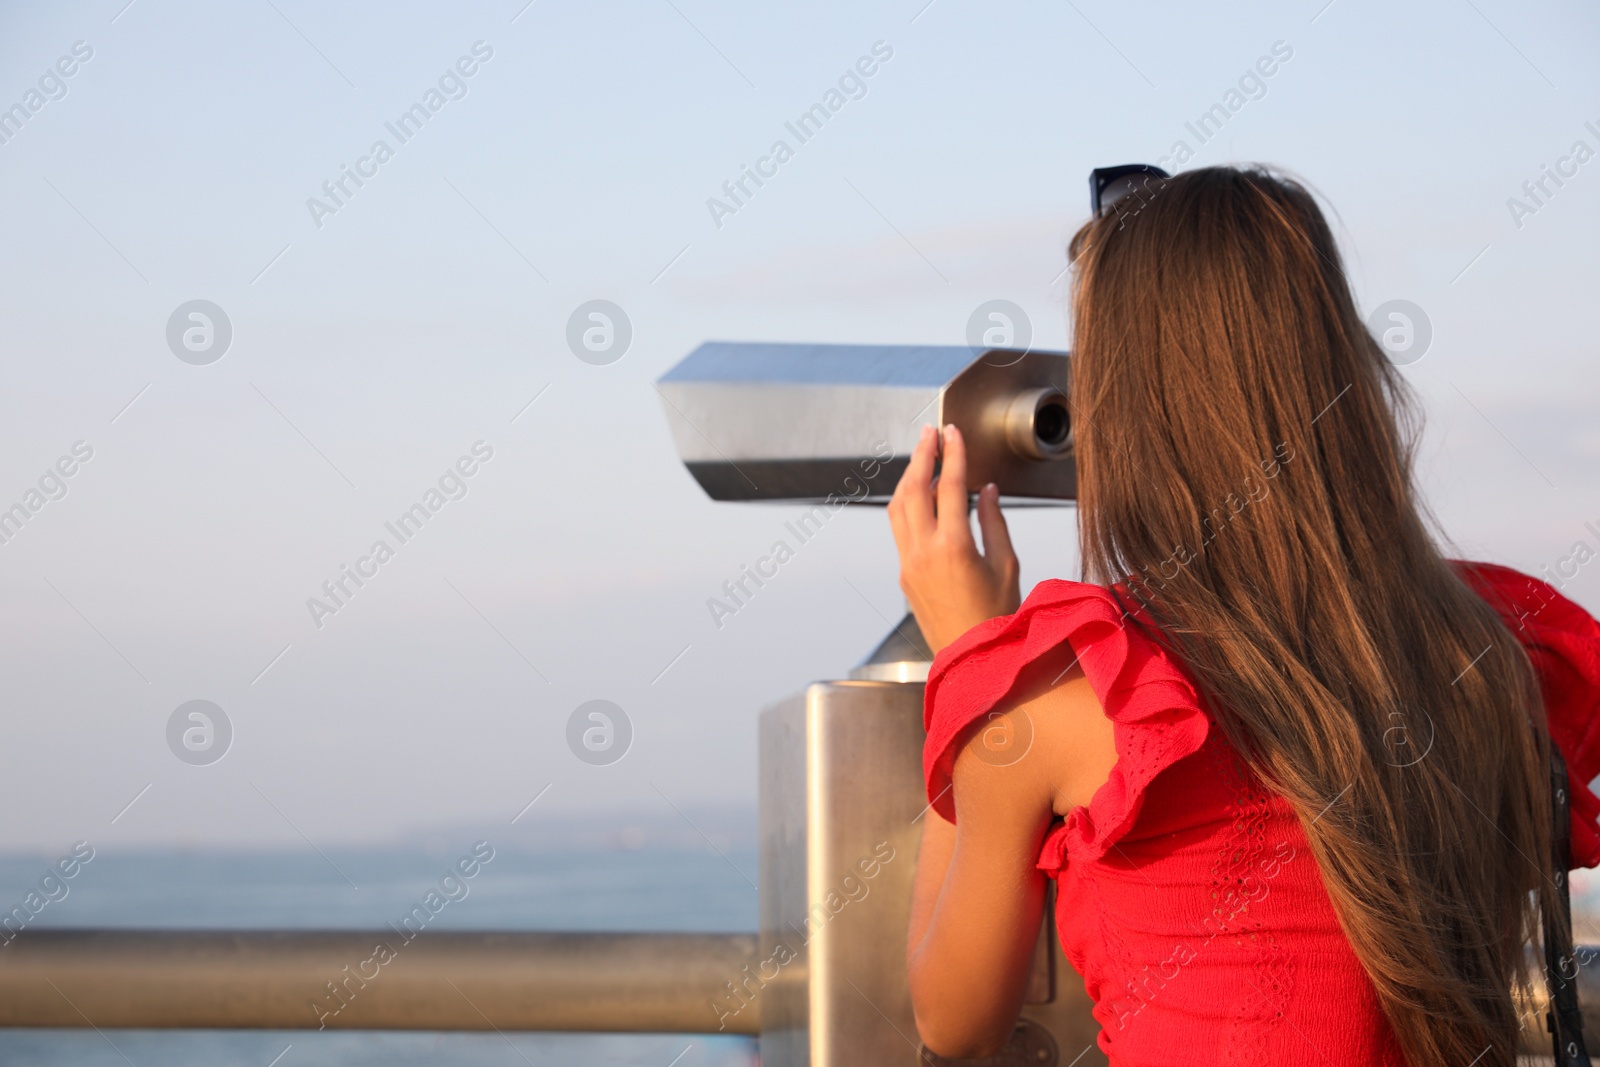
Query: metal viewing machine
point(823, 982)
point(841, 761)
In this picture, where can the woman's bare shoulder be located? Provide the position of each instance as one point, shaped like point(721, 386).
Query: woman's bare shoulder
point(1049, 742)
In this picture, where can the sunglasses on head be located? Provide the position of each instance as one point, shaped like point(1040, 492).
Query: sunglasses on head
point(1108, 185)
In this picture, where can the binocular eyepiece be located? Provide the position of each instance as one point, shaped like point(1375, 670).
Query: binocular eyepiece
point(838, 422)
point(1038, 424)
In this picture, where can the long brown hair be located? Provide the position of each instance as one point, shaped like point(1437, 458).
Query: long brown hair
point(1244, 452)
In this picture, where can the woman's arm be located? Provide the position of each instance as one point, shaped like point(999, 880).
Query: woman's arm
point(978, 896)
point(976, 909)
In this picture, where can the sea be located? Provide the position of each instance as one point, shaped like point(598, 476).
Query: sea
point(621, 879)
point(626, 880)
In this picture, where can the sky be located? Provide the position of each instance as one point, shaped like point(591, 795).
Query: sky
point(385, 337)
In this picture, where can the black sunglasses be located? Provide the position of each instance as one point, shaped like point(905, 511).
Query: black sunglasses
point(1107, 185)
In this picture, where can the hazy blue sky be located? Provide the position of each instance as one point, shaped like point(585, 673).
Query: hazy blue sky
point(374, 345)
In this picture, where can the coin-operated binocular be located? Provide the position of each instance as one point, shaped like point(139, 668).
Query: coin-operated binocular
point(806, 422)
point(842, 798)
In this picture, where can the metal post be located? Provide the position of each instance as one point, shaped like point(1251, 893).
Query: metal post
point(842, 805)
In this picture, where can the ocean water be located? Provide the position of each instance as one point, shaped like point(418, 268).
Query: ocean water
point(628, 886)
point(671, 883)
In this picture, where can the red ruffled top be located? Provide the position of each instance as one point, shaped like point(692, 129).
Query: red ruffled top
point(1187, 895)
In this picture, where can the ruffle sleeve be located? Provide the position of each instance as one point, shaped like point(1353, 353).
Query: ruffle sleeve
point(1563, 641)
point(1156, 714)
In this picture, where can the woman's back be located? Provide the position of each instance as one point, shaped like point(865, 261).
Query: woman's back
point(1211, 908)
point(1243, 451)
point(1188, 897)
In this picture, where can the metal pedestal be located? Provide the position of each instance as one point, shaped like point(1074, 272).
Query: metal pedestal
point(842, 805)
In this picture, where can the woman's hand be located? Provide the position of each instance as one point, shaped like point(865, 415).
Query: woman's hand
point(951, 586)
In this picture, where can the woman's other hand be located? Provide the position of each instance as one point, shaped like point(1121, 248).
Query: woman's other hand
point(951, 585)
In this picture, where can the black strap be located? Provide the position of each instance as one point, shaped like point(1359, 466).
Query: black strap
point(1564, 1020)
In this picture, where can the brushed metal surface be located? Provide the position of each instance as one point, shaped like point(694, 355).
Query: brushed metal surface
point(902, 656)
point(758, 421)
point(981, 400)
point(644, 982)
point(841, 778)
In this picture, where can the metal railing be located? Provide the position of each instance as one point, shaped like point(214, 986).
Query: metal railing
point(307, 980)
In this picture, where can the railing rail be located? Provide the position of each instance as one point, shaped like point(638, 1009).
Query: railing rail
point(306, 980)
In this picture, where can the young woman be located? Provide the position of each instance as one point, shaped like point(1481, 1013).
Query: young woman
point(1287, 765)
